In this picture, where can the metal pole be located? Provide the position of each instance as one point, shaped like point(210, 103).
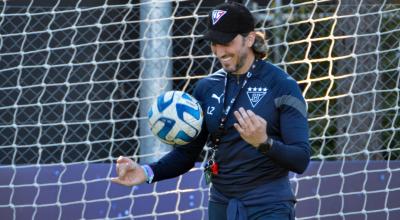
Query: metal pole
point(277, 21)
point(156, 69)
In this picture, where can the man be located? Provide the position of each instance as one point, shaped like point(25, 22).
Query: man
point(257, 122)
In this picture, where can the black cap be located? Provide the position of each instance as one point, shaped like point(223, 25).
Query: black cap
point(226, 21)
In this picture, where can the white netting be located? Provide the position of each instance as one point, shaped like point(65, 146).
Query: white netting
point(77, 77)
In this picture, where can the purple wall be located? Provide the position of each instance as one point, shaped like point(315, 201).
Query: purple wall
point(97, 198)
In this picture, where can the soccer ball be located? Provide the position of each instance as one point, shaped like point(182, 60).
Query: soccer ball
point(175, 118)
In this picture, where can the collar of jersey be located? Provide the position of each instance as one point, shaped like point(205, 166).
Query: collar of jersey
point(254, 71)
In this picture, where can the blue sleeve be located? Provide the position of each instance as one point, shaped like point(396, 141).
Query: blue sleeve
point(293, 152)
point(182, 158)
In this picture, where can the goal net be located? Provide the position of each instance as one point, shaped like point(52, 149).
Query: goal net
point(77, 78)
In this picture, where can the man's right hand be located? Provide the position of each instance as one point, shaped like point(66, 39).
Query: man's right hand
point(129, 172)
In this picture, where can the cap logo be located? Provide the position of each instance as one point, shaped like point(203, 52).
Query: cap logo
point(216, 15)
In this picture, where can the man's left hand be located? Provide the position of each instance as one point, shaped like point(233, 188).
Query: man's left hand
point(251, 127)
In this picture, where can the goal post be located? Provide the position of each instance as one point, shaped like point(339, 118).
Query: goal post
point(77, 79)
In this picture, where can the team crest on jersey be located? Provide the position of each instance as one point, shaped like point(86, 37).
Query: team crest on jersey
point(216, 15)
point(255, 94)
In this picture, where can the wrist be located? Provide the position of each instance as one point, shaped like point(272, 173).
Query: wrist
point(264, 140)
point(266, 146)
point(148, 173)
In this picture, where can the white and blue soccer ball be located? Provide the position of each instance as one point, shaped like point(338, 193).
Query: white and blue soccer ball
point(175, 117)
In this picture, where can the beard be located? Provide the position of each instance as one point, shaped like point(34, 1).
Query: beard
point(241, 60)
